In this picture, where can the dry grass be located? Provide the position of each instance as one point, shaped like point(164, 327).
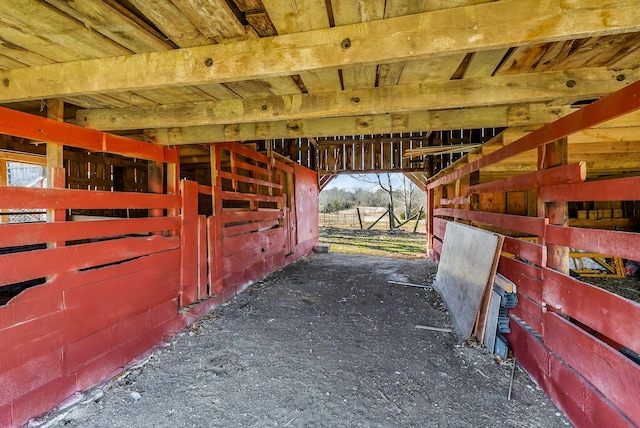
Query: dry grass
point(385, 243)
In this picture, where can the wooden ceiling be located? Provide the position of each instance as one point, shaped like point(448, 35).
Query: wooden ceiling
point(195, 71)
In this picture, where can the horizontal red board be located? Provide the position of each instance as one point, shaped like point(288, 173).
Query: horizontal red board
point(439, 227)
point(43, 399)
point(237, 196)
point(249, 180)
point(38, 128)
point(531, 225)
point(605, 312)
point(18, 267)
point(619, 189)
point(35, 233)
point(528, 251)
point(610, 372)
point(613, 243)
point(508, 266)
point(574, 173)
point(37, 198)
point(240, 216)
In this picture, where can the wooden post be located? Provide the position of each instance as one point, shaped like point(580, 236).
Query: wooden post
point(549, 156)
point(415, 228)
point(214, 226)
point(189, 243)
point(359, 217)
point(429, 221)
point(55, 165)
point(155, 185)
point(392, 224)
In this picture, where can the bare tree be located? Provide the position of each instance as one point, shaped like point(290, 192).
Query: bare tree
point(384, 182)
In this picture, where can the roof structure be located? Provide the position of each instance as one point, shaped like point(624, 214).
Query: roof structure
point(201, 71)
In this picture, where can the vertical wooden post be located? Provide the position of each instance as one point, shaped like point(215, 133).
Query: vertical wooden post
point(214, 227)
point(55, 164)
point(359, 217)
point(549, 156)
point(429, 221)
point(189, 243)
point(156, 184)
point(3, 182)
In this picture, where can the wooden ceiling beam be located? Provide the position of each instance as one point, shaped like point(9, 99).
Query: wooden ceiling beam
point(427, 96)
point(489, 117)
point(475, 28)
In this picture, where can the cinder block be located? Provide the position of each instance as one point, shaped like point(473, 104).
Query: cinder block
point(321, 248)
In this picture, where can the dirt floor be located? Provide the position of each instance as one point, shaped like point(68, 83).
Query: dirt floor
point(325, 342)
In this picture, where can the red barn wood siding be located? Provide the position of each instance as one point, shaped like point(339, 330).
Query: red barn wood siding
point(114, 289)
point(562, 329)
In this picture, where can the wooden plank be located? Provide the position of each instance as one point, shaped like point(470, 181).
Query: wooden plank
point(214, 247)
point(478, 27)
point(508, 265)
point(205, 190)
point(620, 189)
point(18, 267)
point(531, 225)
point(525, 284)
point(574, 173)
point(614, 243)
point(24, 125)
point(446, 94)
point(478, 117)
point(253, 241)
point(605, 312)
point(249, 227)
point(249, 216)
point(530, 312)
point(237, 196)
point(528, 251)
point(34, 198)
point(610, 372)
point(242, 178)
point(202, 257)
point(439, 227)
point(616, 104)
point(34, 233)
point(189, 243)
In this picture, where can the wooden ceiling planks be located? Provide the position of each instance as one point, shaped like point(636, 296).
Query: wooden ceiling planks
point(56, 34)
point(290, 16)
point(353, 12)
point(116, 23)
point(579, 53)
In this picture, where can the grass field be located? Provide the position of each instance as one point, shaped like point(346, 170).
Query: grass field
point(397, 243)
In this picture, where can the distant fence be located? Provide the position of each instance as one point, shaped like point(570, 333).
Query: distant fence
point(350, 221)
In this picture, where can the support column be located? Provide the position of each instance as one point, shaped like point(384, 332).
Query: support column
point(429, 221)
point(56, 176)
point(155, 184)
point(549, 156)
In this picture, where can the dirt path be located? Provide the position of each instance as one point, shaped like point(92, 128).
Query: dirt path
point(326, 342)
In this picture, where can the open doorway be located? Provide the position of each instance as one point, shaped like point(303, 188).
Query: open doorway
point(377, 214)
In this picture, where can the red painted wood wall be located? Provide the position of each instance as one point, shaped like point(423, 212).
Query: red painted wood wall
point(114, 286)
point(566, 333)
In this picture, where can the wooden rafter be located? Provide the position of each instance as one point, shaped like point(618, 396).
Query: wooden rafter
point(474, 28)
point(490, 91)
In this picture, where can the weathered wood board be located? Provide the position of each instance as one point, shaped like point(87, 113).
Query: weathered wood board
point(467, 266)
